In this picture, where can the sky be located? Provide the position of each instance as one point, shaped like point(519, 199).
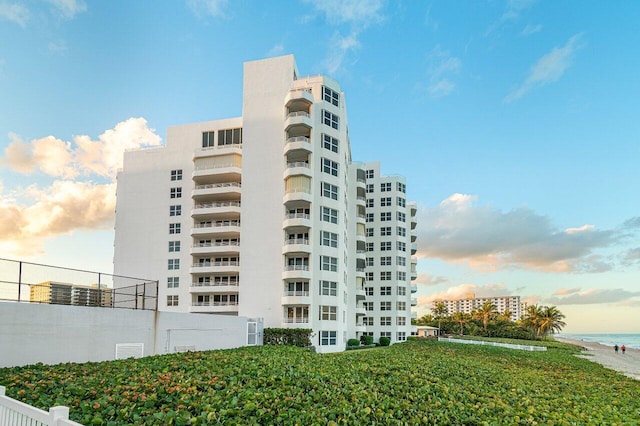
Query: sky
point(514, 122)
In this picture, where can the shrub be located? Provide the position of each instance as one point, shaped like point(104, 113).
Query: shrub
point(288, 336)
point(367, 340)
point(385, 341)
point(353, 342)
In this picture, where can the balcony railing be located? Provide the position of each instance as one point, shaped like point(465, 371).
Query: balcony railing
point(218, 244)
point(298, 164)
point(296, 241)
point(217, 204)
point(305, 139)
point(217, 224)
point(298, 216)
point(217, 166)
point(297, 293)
point(296, 267)
point(212, 303)
point(219, 185)
point(359, 269)
point(214, 284)
point(300, 320)
point(298, 114)
point(361, 180)
point(235, 145)
point(224, 263)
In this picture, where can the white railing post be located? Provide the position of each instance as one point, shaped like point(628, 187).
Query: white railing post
point(58, 413)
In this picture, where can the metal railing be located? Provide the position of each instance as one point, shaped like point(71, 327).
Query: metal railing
point(299, 139)
point(297, 293)
point(296, 241)
point(218, 244)
point(219, 185)
point(223, 263)
point(212, 303)
point(296, 267)
point(297, 320)
point(217, 224)
point(298, 114)
point(303, 164)
point(217, 204)
point(298, 216)
point(215, 284)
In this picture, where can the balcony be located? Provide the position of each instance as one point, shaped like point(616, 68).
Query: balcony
point(220, 208)
point(414, 248)
point(413, 207)
point(414, 301)
point(221, 228)
point(361, 183)
point(296, 272)
point(217, 150)
point(413, 223)
point(298, 119)
point(360, 311)
point(414, 235)
point(297, 219)
point(360, 273)
point(361, 218)
point(298, 143)
point(213, 267)
point(229, 172)
point(230, 190)
point(298, 195)
point(360, 328)
point(296, 245)
point(296, 322)
point(361, 201)
point(296, 168)
point(214, 307)
point(298, 95)
point(414, 288)
point(414, 275)
point(213, 287)
point(215, 247)
point(360, 294)
point(296, 298)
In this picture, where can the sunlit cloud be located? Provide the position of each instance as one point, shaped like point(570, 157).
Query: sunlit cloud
point(487, 239)
point(430, 280)
point(513, 11)
point(593, 296)
point(204, 8)
point(566, 291)
point(68, 9)
point(441, 68)
point(531, 29)
point(14, 12)
point(73, 200)
point(549, 68)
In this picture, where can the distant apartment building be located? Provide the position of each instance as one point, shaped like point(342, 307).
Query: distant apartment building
point(264, 215)
point(470, 303)
point(70, 294)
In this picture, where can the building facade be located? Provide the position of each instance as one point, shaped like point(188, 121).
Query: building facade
point(470, 303)
point(58, 293)
point(261, 215)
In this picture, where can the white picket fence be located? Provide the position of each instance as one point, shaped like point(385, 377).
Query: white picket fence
point(502, 345)
point(16, 413)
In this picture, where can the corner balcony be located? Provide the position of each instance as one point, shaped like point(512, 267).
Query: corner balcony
point(298, 96)
point(413, 208)
point(297, 219)
point(361, 201)
point(298, 143)
point(361, 238)
point(414, 223)
point(230, 172)
point(296, 298)
point(300, 195)
point(414, 288)
point(414, 248)
point(360, 311)
point(215, 267)
point(296, 272)
point(360, 294)
point(414, 235)
point(297, 168)
point(220, 208)
point(214, 307)
point(360, 273)
point(212, 151)
point(296, 322)
point(213, 287)
point(414, 301)
point(222, 228)
point(298, 119)
point(360, 328)
point(360, 218)
point(414, 275)
point(296, 245)
point(225, 189)
point(361, 183)
point(215, 247)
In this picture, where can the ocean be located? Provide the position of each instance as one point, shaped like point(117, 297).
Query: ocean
point(629, 340)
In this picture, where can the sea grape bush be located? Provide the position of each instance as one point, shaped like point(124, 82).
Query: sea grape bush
point(385, 341)
point(418, 382)
point(288, 336)
point(353, 342)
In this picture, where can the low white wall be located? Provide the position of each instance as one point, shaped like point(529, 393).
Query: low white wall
point(50, 334)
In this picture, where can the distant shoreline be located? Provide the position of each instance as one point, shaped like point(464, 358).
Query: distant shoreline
point(628, 364)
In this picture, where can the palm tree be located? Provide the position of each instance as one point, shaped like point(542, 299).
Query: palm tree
point(423, 320)
point(486, 312)
point(506, 315)
point(460, 318)
point(550, 320)
point(440, 311)
point(531, 319)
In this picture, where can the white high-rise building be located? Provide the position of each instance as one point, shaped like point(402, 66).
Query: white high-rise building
point(261, 215)
point(470, 303)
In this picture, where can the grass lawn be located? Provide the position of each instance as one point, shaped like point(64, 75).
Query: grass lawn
point(410, 383)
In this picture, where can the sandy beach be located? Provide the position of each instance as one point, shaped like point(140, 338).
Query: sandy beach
point(628, 364)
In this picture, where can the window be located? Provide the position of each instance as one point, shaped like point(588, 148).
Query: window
point(328, 263)
point(401, 320)
point(329, 167)
point(173, 282)
point(370, 203)
point(402, 336)
point(402, 246)
point(385, 291)
point(176, 174)
point(330, 96)
point(328, 338)
point(402, 202)
point(402, 232)
point(174, 228)
point(369, 276)
point(401, 261)
point(174, 246)
point(175, 210)
point(385, 187)
point(328, 288)
point(385, 334)
point(368, 306)
point(385, 320)
point(368, 246)
point(329, 239)
point(173, 264)
point(368, 291)
point(367, 321)
point(369, 188)
point(207, 139)
point(369, 261)
point(385, 306)
point(385, 246)
point(328, 313)
point(230, 137)
point(385, 261)
point(402, 217)
point(385, 216)
point(402, 276)
point(369, 232)
point(369, 174)
point(369, 218)
point(172, 300)
point(329, 215)
point(402, 187)
point(329, 191)
point(402, 306)
point(385, 231)
point(330, 119)
point(176, 193)
point(385, 276)
point(385, 201)
point(330, 143)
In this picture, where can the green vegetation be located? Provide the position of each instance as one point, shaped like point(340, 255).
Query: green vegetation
point(288, 336)
point(417, 382)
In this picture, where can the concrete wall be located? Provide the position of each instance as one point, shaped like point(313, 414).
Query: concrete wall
point(50, 334)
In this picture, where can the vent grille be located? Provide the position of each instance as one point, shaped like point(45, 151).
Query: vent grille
point(129, 350)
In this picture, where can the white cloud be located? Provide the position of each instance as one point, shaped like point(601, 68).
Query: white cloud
point(68, 9)
point(14, 12)
point(592, 296)
point(531, 29)
point(360, 12)
point(57, 48)
point(459, 231)
point(343, 46)
point(513, 11)
point(431, 280)
point(276, 50)
point(549, 68)
point(30, 216)
point(203, 8)
point(441, 67)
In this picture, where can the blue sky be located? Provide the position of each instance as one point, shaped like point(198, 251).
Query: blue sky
point(515, 123)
